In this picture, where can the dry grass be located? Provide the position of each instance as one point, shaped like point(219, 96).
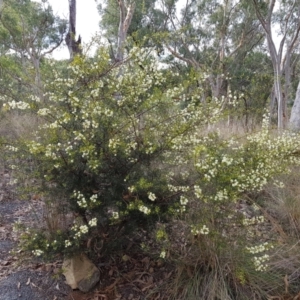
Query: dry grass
point(15, 125)
point(284, 203)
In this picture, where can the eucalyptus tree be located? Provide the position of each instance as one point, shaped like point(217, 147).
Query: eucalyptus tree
point(251, 80)
point(210, 35)
point(206, 41)
point(295, 113)
point(286, 15)
point(30, 30)
point(294, 122)
point(137, 20)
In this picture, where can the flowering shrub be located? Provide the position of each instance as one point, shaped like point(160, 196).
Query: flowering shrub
point(224, 170)
point(123, 145)
point(105, 132)
point(219, 236)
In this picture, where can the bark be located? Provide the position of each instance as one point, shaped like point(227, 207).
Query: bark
point(126, 14)
point(287, 83)
point(276, 58)
point(295, 113)
point(279, 62)
point(38, 81)
point(73, 45)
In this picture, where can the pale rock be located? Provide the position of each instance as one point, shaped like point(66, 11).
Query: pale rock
point(80, 273)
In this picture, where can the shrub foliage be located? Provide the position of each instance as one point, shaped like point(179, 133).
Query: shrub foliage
point(128, 143)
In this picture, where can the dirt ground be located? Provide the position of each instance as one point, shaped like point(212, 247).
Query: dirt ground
point(29, 281)
point(128, 276)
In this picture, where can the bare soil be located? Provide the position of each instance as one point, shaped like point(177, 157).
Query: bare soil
point(34, 281)
point(125, 276)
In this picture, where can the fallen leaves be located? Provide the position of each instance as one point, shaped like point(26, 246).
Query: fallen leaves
point(5, 262)
point(128, 278)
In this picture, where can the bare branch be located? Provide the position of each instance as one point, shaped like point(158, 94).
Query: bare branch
point(191, 62)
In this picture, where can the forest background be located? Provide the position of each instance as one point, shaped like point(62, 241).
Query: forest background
point(181, 125)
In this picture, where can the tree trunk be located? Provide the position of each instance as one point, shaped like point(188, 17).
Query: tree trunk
point(126, 14)
point(287, 71)
point(38, 86)
point(295, 113)
point(280, 99)
point(73, 45)
point(276, 58)
point(279, 64)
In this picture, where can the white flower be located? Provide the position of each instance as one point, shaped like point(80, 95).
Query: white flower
point(260, 262)
point(204, 230)
point(93, 198)
point(151, 196)
point(78, 234)
point(67, 243)
point(93, 222)
point(20, 105)
point(12, 148)
point(82, 203)
point(197, 191)
point(131, 189)
point(115, 215)
point(183, 200)
point(37, 252)
point(83, 229)
point(195, 231)
point(43, 111)
point(259, 248)
point(163, 254)
point(144, 209)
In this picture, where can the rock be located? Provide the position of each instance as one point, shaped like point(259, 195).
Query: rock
point(81, 273)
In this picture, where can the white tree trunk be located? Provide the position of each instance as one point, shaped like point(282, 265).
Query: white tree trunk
point(38, 86)
point(126, 14)
point(280, 99)
point(280, 64)
point(295, 113)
